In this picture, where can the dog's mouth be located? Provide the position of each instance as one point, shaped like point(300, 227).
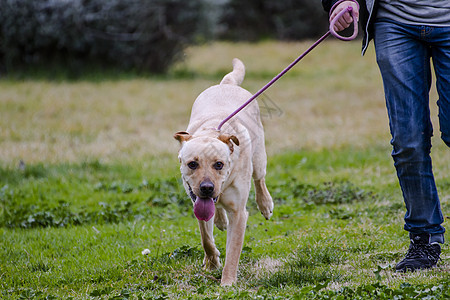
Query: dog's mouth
point(204, 208)
point(194, 196)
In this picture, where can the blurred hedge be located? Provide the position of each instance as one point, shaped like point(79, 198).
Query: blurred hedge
point(143, 35)
point(285, 20)
point(140, 35)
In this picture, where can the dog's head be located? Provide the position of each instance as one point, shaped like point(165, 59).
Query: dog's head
point(205, 165)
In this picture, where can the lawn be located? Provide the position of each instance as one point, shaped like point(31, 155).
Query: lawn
point(89, 178)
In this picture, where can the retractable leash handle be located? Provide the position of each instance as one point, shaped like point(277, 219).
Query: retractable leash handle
point(331, 31)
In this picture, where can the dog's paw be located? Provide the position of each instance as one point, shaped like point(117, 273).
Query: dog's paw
point(266, 208)
point(227, 280)
point(222, 226)
point(263, 199)
point(221, 219)
point(211, 263)
point(225, 284)
point(267, 214)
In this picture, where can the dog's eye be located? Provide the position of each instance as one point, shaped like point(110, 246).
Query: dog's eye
point(218, 165)
point(193, 165)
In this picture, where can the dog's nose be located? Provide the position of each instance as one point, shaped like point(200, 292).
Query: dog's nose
point(207, 188)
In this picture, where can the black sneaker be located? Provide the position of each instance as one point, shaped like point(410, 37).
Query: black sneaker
point(421, 254)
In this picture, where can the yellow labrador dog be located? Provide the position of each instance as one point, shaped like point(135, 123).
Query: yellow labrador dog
point(217, 167)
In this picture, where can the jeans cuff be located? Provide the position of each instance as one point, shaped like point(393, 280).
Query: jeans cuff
point(433, 238)
point(437, 238)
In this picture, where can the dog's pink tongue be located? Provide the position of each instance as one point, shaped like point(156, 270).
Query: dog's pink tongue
point(204, 208)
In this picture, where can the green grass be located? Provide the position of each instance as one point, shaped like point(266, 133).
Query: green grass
point(78, 230)
point(99, 183)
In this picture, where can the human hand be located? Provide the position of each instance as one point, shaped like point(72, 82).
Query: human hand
point(346, 19)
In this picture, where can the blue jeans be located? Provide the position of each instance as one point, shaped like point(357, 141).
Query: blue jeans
point(403, 55)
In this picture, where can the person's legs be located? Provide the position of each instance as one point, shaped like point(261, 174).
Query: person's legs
point(403, 56)
point(404, 62)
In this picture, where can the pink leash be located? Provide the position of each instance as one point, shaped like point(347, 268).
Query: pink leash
point(330, 31)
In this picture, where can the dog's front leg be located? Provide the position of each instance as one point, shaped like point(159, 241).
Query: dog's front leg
point(235, 240)
point(211, 261)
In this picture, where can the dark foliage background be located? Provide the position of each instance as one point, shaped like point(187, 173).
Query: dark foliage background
point(285, 20)
point(139, 35)
point(128, 34)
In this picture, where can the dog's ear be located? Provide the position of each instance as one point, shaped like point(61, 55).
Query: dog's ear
point(227, 139)
point(182, 136)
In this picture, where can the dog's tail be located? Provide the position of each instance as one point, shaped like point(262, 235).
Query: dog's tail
point(236, 76)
